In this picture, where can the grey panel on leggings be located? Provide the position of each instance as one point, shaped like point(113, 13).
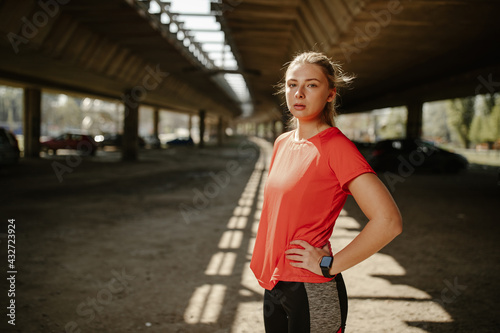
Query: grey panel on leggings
point(324, 307)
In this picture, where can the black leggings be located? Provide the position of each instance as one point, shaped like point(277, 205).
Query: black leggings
point(299, 307)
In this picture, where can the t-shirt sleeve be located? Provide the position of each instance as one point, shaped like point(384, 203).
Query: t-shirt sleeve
point(346, 161)
point(276, 145)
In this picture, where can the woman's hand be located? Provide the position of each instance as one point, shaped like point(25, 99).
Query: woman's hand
point(308, 257)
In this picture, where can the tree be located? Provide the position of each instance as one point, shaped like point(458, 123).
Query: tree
point(460, 113)
point(485, 125)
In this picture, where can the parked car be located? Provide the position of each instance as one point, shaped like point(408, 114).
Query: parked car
point(115, 140)
point(417, 155)
point(365, 148)
point(9, 148)
point(81, 142)
point(181, 142)
point(152, 141)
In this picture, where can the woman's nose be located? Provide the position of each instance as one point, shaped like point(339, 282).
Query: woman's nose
point(299, 93)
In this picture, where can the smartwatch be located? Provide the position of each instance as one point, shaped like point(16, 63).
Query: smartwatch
point(325, 264)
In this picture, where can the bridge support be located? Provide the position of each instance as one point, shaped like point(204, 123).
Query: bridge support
point(414, 120)
point(202, 115)
point(130, 132)
point(32, 121)
point(274, 131)
point(220, 131)
point(156, 121)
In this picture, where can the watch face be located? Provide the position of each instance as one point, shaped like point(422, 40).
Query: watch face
point(326, 262)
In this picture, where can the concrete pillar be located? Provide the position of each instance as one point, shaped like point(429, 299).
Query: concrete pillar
point(220, 131)
point(285, 120)
point(32, 121)
point(130, 132)
point(274, 131)
point(190, 125)
point(202, 115)
point(156, 121)
point(414, 120)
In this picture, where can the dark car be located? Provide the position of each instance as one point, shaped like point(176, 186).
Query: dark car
point(152, 141)
point(9, 148)
point(115, 140)
point(80, 142)
point(408, 155)
point(181, 142)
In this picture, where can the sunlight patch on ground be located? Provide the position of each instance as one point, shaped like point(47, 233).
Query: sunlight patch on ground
point(373, 300)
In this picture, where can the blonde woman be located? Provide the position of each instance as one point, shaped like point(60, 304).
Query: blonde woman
point(313, 169)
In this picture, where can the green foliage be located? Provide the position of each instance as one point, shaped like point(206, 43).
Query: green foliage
point(11, 107)
point(485, 125)
point(460, 112)
point(392, 123)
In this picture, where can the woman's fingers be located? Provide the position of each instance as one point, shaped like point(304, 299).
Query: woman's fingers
point(307, 257)
point(297, 258)
point(302, 243)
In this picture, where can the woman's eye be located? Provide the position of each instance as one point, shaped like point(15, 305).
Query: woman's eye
point(291, 85)
point(312, 85)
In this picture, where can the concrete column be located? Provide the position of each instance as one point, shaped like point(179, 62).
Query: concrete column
point(130, 132)
point(414, 120)
point(156, 121)
point(273, 130)
point(202, 115)
point(220, 131)
point(190, 125)
point(32, 121)
point(285, 120)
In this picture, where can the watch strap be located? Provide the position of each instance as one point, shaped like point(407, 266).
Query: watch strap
point(326, 269)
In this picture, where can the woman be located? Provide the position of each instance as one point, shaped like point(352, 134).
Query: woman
point(313, 169)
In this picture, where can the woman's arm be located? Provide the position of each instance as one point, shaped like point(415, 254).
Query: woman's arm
point(384, 225)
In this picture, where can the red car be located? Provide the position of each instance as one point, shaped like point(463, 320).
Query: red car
point(81, 142)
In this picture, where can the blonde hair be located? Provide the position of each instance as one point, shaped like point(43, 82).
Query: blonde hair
point(333, 72)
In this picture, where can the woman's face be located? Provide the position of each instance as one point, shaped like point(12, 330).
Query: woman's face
point(307, 91)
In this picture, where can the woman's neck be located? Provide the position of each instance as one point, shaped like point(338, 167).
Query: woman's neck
point(306, 129)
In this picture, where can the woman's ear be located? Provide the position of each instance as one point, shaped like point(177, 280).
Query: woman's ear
point(331, 95)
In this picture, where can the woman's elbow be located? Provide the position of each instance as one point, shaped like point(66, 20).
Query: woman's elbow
point(396, 225)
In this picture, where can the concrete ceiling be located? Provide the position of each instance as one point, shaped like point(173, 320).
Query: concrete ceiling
point(104, 48)
point(401, 51)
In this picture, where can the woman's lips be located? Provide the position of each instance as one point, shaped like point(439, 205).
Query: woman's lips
point(299, 106)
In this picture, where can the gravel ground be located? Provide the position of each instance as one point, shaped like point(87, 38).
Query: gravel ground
point(163, 245)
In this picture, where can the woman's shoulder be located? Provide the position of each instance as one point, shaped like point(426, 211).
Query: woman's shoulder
point(334, 136)
point(283, 136)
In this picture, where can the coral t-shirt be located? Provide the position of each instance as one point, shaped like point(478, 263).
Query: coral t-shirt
point(303, 196)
